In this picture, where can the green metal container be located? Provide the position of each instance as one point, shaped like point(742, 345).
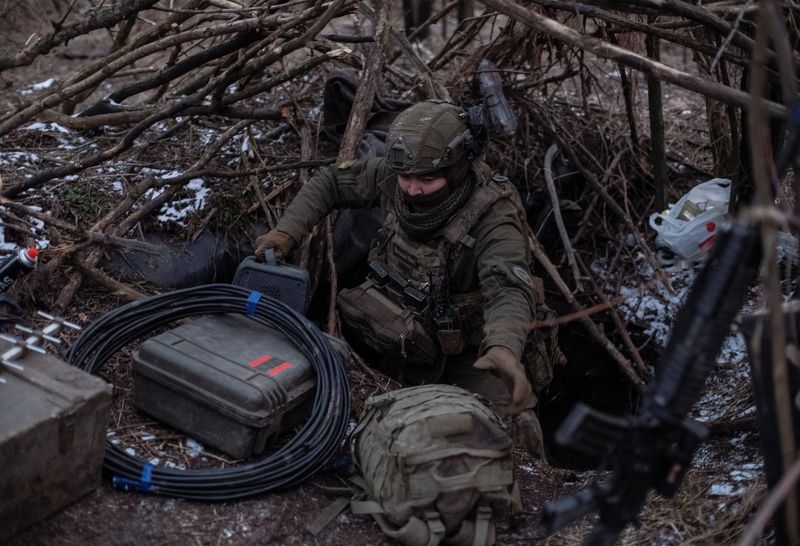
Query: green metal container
point(53, 421)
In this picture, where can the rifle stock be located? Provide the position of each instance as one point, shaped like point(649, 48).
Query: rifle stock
point(653, 450)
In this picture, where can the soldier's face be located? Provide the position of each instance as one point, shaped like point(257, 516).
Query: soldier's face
point(424, 184)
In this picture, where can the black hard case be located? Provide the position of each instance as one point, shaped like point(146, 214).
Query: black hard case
point(53, 420)
point(226, 380)
point(287, 283)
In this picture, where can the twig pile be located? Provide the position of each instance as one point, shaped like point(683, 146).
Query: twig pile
point(226, 92)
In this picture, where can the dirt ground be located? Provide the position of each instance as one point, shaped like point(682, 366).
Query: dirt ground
point(700, 515)
point(111, 517)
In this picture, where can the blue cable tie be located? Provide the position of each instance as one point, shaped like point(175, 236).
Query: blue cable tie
point(252, 300)
point(143, 485)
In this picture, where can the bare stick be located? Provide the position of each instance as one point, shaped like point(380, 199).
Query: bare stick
point(94, 236)
point(637, 26)
point(103, 279)
point(135, 116)
point(621, 328)
point(612, 204)
point(129, 138)
point(332, 326)
point(562, 231)
point(74, 89)
point(763, 172)
point(74, 283)
point(365, 94)
point(586, 312)
point(594, 331)
point(106, 105)
point(433, 88)
point(730, 35)
point(76, 86)
point(658, 154)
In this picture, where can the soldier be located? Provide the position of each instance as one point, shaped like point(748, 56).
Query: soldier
point(450, 297)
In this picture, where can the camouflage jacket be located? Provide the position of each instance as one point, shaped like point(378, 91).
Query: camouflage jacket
point(497, 264)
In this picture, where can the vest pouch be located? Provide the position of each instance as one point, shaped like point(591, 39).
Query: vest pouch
point(469, 310)
point(541, 352)
point(385, 326)
point(451, 341)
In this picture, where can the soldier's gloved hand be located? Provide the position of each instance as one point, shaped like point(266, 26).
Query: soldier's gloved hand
point(503, 363)
point(280, 241)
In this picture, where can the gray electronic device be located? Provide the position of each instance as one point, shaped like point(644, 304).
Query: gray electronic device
point(287, 283)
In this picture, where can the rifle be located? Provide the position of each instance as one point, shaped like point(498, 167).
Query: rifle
point(653, 450)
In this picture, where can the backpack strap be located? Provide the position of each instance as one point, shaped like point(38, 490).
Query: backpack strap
point(416, 532)
point(326, 516)
point(483, 526)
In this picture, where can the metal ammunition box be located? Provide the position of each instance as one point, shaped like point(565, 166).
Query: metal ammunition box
point(53, 420)
point(225, 380)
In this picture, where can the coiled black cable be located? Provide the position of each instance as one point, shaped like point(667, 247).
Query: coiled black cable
point(302, 456)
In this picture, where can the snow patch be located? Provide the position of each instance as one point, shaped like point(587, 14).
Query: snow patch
point(193, 447)
point(17, 158)
point(721, 490)
point(175, 211)
point(46, 127)
point(46, 84)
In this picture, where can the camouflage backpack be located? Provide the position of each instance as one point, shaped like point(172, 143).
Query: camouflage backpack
point(436, 465)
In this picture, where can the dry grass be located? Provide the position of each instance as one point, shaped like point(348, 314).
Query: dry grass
point(692, 517)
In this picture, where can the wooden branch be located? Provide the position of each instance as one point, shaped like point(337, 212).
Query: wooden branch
point(103, 279)
point(130, 117)
point(610, 201)
point(332, 326)
point(594, 331)
point(698, 15)
point(658, 152)
point(637, 26)
point(605, 50)
point(134, 132)
point(266, 85)
point(447, 8)
point(577, 315)
point(95, 19)
point(166, 75)
point(365, 94)
point(622, 330)
point(169, 25)
point(433, 88)
point(562, 230)
point(59, 95)
point(765, 175)
point(121, 227)
point(94, 236)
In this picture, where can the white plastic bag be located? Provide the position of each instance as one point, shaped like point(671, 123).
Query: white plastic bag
point(689, 227)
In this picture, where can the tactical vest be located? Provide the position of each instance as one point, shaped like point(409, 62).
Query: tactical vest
point(457, 318)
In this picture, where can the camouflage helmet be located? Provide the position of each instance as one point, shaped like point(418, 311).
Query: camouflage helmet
point(427, 137)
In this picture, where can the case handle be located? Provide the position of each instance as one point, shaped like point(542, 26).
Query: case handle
point(269, 257)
